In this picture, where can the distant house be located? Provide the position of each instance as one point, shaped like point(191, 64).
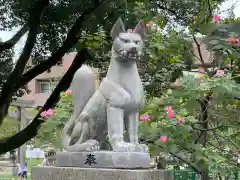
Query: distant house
point(42, 85)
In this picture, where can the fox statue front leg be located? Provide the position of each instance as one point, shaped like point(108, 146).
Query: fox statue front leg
point(131, 123)
point(116, 128)
point(116, 98)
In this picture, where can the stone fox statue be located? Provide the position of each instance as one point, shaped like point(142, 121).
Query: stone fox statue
point(114, 106)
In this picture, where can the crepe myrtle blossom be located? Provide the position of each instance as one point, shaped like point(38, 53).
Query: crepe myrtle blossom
point(180, 120)
point(170, 112)
point(216, 18)
point(236, 41)
point(229, 39)
point(163, 139)
point(68, 92)
point(145, 117)
point(50, 112)
point(219, 73)
point(149, 24)
point(233, 40)
point(47, 113)
point(44, 114)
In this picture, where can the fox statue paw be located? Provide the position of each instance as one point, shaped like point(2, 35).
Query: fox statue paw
point(129, 147)
point(122, 146)
point(89, 145)
point(142, 148)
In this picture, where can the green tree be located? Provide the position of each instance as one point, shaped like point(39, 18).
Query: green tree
point(197, 121)
point(53, 28)
point(56, 27)
point(6, 65)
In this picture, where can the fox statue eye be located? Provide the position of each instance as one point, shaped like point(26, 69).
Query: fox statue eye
point(136, 42)
point(125, 40)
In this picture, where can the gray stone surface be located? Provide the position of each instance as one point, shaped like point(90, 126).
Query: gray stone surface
point(104, 159)
point(114, 106)
point(73, 173)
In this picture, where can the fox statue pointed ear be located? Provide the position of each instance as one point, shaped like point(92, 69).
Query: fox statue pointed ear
point(140, 29)
point(117, 28)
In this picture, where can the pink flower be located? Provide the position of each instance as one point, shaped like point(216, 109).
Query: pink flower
point(168, 109)
point(180, 120)
point(50, 112)
point(216, 18)
point(219, 73)
point(171, 115)
point(149, 24)
point(169, 112)
point(130, 30)
point(145, 117)
point(229, 39)
point(236, 41)
point(163, 139)
point(68, 92)
point(44, 114)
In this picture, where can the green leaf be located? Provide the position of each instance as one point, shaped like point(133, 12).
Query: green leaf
point(217, 47)
point(213, 42)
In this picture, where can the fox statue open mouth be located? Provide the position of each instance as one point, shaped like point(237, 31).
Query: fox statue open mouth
point(129, 55)
point(112, 108)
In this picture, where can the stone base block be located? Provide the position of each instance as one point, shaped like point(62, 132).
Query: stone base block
point(74, 173)
point(104, 159)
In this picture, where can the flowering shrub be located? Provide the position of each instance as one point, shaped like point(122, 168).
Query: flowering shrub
point(50, 132)
point(182, 114)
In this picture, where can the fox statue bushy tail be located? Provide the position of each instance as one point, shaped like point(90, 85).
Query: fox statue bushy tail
point(83, 88)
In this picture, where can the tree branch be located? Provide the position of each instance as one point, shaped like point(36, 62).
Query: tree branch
point(11, 42)
point(31, 130)
point(8, 87)
point(174, 13)
point(208, 129)
point(203, 117)
point(223, 150)
point(71, 40)
point(229, 140)
point(193, 166)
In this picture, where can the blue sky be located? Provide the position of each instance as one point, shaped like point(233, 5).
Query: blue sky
point(7, 35)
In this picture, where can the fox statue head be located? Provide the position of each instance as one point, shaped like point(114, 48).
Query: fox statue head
point(127, 45)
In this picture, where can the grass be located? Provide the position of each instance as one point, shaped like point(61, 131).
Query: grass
point(34, 162)
point(8, 127)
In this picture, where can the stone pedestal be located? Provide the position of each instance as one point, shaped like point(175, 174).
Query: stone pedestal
point(74, 173)
point(104, 159)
